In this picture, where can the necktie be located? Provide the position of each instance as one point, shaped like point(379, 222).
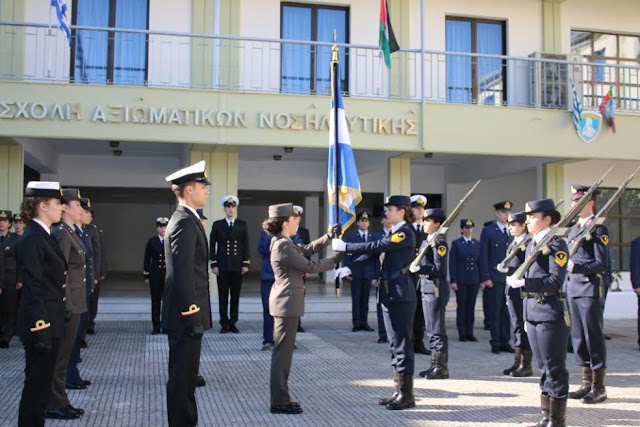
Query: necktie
point(2, 239)
point(364, 236)
point(506, 233)
point(230, 225)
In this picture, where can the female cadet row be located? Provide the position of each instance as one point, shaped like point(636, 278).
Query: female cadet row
point(544, 311)
point(396, 293)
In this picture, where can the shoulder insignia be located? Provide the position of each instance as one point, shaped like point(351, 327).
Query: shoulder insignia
point(193, 309)
point(561, 258)
point(398, 237)
point(40, 325)
point(604, 239)
point(442, 250)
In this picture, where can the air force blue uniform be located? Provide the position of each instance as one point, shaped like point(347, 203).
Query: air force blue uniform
point(635, 274)
point(363, 273)
point(464, 257)
point(514, 299)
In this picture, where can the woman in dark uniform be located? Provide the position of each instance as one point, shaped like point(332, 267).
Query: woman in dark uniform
point(522, 363)
point(544, 311)
point(396, 293)
point(41, 315)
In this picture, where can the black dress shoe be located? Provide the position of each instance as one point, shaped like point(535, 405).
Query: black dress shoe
point(155, 332)
point(233, 329)
point(356, 329)
point(496, 349)
point(472, 339)
point(421, 349)
point(607, 337)
point(76, 410)
point(83, 344)
point(382, 340)
point(75, 386)
point(507, 349)
point(61, 414)
point(289, 408)
point(224, 329)
point(85, 382)
point(200, 381)
point(462, 339)
point(368, 328)
point(91, 331)
point(4, 344)
point(301, 329)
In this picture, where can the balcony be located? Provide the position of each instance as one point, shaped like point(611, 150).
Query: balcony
point(108, 56)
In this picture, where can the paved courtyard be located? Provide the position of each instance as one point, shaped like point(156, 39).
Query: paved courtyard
point(337, 376)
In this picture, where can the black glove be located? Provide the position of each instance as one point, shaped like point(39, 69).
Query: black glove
point(194, 331)
point(334, 230)
point(42, 346)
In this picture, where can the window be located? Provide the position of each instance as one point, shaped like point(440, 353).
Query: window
point(475, 79)
point(623, 222)
point(604, 48)
point(305, 67)
point(108, 56)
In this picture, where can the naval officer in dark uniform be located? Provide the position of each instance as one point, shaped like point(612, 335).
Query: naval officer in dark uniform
point(230, 258)
point(8, 275)
point(464, 275)
point(418, 206)
point(493, 248)
point(634, 266)
point(155, 270)
point(434, 288)
point(397, 294)
point(186, 312)
point(544, 311)
point(586, 283)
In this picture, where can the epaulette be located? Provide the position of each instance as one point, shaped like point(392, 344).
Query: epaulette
point(488, 223)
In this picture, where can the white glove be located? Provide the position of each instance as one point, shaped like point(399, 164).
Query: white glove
point(341, 272)
point(414, 268)
point(515, 283)
point(570, 265)
point(502, 268)
point(338, 245)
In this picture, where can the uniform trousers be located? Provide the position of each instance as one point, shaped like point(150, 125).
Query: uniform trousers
point(499, 321)
point(73, 374)
point(546, 340)
point(184, 365)
point(267, 318)
point(638, 320)
point(466, 296)
point(58, 398)
point(360, 290)
point(284, 334)
point(84, 321)
point(398, 321)
point(8, 311)
point(382, 331)
point(514, 302)
point(38, 370)
point(434, 308)
point(93, 306)
point(156, 286)
point(229, 282)
point(587, 335)
point(418, 318)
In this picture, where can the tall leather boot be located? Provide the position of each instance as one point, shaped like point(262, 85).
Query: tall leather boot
point(557, 413)
point(432, 367)
point(441, 370)
point(544, 408)
point(405, 398)
point(587, 379)
point(598, 393)
point(524, 370)
point(396, 385)
point(516, 362)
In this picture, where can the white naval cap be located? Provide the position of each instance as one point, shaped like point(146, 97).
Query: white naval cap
point(229, 199)
point(418, 200)
point(162, 220)
point(297, 210)
point(49, 189)
point(193, 173)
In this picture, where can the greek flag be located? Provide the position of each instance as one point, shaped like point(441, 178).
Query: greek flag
point(348, 183)
point(61, 11)
point(577, 108)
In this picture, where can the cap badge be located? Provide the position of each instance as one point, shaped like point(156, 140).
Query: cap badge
point(507, 205)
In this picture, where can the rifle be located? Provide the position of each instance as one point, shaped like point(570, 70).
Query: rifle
point(599, 219)
point(558, 231)
point(444, 227)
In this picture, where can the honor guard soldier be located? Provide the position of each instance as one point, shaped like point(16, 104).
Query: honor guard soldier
point(522, 362)
point(385, 232)
point(397, 294)
point(8, 275)
point(41, 314)
point(94, 234)
point(302, 237)
point(544, 311)
point(230, 260)
point(155, 270)
point(186, 309)
point(418, 205)
point(587, 280)
point(634, 266)
point(464, 275)
point(364, 274)
point(493, 248)
point(18, 224)
point(434, 288)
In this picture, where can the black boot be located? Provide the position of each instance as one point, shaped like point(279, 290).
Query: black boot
point(557, 413)
point(544, 408)
point(598, 393)
point(516, 362)
point(441, 370)
point(405, 398)
point(396, 386)
point(432, 367)
point(587, 379)
point(524, 370)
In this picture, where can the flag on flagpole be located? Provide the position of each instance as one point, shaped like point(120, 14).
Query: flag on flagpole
point(341, 160)
point(607, 109)
point(61, 12)
point(388, 43)
point(577, 108)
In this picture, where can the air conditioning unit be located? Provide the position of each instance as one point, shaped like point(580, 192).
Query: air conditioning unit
point(549, 82)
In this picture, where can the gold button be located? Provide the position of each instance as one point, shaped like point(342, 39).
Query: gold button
point(65, 273)
point(64, 286)
point(84, 266)
point(84, 280)
point(64, 299)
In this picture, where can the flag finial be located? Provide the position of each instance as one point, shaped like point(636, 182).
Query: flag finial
point(334, 48)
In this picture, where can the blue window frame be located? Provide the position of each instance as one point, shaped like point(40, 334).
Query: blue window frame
point(110, 57)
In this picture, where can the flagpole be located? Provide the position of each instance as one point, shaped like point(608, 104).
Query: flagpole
point(336, 157)
point(49, 34)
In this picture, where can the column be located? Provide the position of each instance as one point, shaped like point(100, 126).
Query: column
point(553, 183)
point(12, 39)
point(551, 30)
point(398, 176)
point(11, 174)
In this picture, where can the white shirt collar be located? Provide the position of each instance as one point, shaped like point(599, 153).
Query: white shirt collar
point(465, 239)
point(397, 226)
point(541, 234)
point(519, 239)
point(43, 225)
point(161, 238)
point(386, 232)
point(231, 221)
point(501, 227)
point(583, 221)
point(362, 233)
point(191, 209)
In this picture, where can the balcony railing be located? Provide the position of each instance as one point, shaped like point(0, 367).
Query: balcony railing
point(111, 56)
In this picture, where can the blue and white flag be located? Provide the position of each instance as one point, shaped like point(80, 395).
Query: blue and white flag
point(61, 12)
point(577, 108)
point(349, 191)
point(587, 124)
